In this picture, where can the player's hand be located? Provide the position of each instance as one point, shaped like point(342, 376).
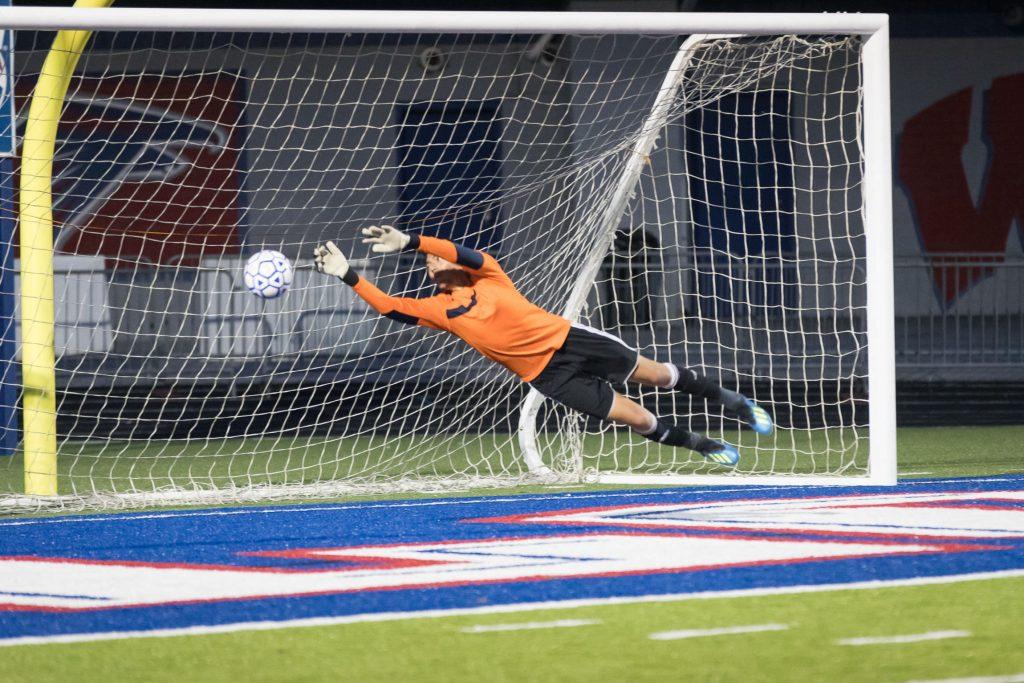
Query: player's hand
point(330, 260)
point(385, 239)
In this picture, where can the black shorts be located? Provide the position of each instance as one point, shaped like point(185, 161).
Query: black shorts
point(580, 373)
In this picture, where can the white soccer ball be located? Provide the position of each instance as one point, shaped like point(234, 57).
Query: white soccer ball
point(268, 274)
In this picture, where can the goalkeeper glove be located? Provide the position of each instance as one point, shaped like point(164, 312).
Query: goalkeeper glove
point(385, 239)
point(330, 260)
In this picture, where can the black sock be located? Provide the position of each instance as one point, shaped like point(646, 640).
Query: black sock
point(672, 435)
point(702, 387)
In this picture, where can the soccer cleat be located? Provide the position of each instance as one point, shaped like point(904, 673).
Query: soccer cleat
point(725, 454)
point(756, 417)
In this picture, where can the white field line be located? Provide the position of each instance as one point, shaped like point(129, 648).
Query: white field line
point(1011, 678)
point(476, 500)
point(726, 631)
point(909, 638)
point(500, 609)
point(331, 507)
point(530, 625)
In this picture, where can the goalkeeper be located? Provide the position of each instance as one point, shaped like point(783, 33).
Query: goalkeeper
point(567, 362)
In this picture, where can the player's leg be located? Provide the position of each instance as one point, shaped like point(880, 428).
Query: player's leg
point(608, 357)
point(625, 411)
point(565, 381)
point(652, 373)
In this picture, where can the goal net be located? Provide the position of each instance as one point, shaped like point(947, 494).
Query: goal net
point(701, 199)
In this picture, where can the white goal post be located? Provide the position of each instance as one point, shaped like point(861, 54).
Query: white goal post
point(713, 188)
point(882, 463)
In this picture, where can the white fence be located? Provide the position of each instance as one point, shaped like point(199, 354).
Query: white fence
point(960, 311)
point(202, 311)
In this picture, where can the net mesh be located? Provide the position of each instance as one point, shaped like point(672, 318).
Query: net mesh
point(740, 253)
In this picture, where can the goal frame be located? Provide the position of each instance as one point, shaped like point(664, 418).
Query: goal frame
point(877, 193)
point(880, 317)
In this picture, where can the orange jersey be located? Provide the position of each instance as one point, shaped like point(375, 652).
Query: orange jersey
point(491, 315)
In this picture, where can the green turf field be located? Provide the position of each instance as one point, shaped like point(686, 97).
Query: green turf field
point(124, 466)
point(960, 451)
point(978, 626)
point(614, 646)
point(950, 451)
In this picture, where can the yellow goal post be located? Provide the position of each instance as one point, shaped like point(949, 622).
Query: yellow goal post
point(39, 409)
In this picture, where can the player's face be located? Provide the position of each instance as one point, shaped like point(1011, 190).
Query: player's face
point(436, 264)
point(447, 276)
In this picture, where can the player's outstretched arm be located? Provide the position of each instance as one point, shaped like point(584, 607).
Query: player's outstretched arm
point(330, 260)
point(388, 240)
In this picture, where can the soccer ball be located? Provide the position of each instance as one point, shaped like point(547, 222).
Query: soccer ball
point(268, 274)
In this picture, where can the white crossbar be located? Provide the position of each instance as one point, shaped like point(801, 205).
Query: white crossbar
point(372, 21)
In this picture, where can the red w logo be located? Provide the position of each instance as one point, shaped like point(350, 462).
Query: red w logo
point(931, 169)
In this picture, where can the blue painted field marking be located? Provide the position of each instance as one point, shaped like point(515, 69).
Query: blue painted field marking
point(525, 556)
point(113, 555)
point(53, 595)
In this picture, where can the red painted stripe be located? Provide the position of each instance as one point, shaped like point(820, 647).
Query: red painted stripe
point(928, 549)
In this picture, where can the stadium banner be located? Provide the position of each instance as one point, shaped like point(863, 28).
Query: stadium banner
point(958, 173)
point(8, 147)
point(170, 191)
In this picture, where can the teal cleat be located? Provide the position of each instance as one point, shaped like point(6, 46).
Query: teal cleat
point(757, 418)
point(724, 454)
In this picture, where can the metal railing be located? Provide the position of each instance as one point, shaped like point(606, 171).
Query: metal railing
point(960, 310)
